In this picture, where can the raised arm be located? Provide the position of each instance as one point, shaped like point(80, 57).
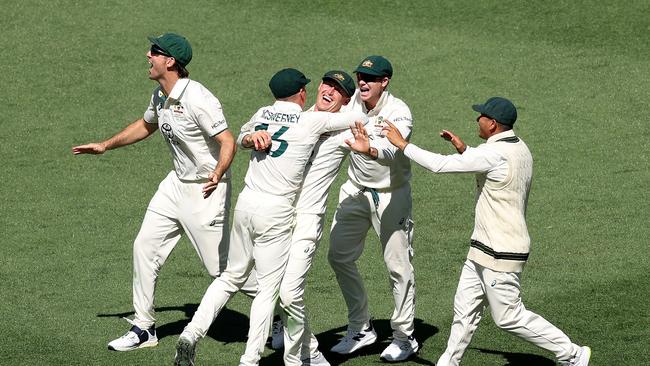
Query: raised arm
point(133, 133)
point(469, 160)
point(341, 121)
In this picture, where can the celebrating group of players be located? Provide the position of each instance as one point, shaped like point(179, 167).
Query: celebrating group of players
point(279, 216)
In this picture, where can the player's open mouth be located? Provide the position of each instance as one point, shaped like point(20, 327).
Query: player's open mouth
point(327, 99)
point(364, 89)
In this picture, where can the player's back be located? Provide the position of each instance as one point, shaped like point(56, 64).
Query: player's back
point(279, 170)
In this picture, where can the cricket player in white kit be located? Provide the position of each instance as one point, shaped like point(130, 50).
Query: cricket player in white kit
point(378, 195)
point(264, 214)
point(195, 197)
point(500, 243)
point(335, 91)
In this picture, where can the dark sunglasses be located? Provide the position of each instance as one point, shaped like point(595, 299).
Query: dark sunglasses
point(155, 50)
point(369, 78)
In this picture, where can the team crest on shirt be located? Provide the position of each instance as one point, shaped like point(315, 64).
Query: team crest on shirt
point(177, 109)
point(367, 63)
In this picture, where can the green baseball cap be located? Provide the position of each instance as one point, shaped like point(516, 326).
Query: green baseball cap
point(375, 65)
point(175, 45)
point(498, 108)
point(287, 82)
point(343, 79)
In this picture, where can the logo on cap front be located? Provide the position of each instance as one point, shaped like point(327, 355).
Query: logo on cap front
point(367, 63)
point(338, 77)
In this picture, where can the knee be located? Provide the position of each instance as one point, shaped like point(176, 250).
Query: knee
point(214, 272)
point(142, 249)
point(333, 259)
point(290, 296)
point(508, 318)
point(400, 271)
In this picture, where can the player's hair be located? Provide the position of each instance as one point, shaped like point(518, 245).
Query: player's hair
point(181, 70)
point(504, 127)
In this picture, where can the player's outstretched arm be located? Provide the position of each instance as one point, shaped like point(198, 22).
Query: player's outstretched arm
point(394, 136)
point(227, 150)
point(133, 133)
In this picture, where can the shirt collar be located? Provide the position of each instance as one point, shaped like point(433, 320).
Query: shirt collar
point(179, 88)
point(287, 106)
point(500, 135)
point(385, 95)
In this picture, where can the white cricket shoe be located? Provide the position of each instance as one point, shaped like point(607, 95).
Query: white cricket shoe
point(135, 338)
point(185, 352)
point(316, 360)
point(354, 340)
point(583, 357)
point(277, 335)
point(400, 350)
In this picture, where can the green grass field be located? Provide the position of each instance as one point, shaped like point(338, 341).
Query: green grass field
point(75, 72)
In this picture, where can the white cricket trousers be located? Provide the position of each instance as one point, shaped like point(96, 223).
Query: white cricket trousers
point(299, 342)
point(389, 213)
point(175, 208)
point(480, 287)
point(260, 238)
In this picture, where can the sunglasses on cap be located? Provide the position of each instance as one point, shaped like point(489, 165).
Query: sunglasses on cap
point(155, 50)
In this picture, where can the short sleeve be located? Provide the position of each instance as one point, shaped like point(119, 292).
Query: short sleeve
point(208, 113)
point(151, 114)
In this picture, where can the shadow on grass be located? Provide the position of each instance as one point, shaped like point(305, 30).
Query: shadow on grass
point(328, 339)
point(519, 359)
point(230, 326)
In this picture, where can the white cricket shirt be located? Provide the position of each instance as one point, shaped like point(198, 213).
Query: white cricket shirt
point(391, 169)
point(188, 119)
point(279, 171)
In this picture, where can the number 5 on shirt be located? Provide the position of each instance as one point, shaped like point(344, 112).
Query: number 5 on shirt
point(275, 137)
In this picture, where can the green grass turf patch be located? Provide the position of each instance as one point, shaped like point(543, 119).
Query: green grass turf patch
point(76, 72)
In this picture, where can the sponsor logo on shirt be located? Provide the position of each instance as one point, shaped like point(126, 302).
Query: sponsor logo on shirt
point(399, 119)
point(218, 123)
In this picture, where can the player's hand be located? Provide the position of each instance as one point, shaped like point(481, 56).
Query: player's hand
point(261, 140)
point(360, 143)
point(455, 140)
point(93, 148)
point(393, 135)
point(211, 185)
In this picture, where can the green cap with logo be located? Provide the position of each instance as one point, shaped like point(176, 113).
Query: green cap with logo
point(498, 108)
point(287, 82)
point(175, 45)
point(343, 79)
point(375, 65)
